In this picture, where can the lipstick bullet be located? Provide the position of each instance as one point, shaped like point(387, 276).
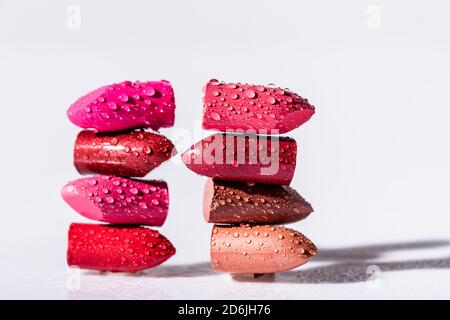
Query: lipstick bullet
point(126, 154)
point(258, 249)
point(239, 202)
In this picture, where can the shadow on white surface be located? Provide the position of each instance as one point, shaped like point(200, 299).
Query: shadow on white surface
point(351, 264)
point(186, 271)
point(348, 265)
point(356, 271)
point(376, 251)
point(331, 267)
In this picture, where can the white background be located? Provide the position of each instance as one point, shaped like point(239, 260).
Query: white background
point(373, 161)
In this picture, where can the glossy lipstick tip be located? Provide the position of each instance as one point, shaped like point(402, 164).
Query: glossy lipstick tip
point(125, 154)
point(116, 248)
point(258, 249)
point(238, 202)
point(125, 105)
point(264, 109)
point(244, 158)
point(118, 200)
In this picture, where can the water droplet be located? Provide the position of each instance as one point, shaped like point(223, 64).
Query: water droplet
point(147, 150)
point(155, 202)
point(105, 191)
point(280, 236)
point(248, 241)
point(234, 96)
point(216, 93)
point(114, 141)
point(88, 110)
point(143, 205)
point(122, 97)
point(265, 234)
point(271, 100)
point(236, 235)
point(109, 199)
point(134, 191)
point(149, 92)
point(93, 182)
point(250, 94)
point(215, 116)
point(112, 105)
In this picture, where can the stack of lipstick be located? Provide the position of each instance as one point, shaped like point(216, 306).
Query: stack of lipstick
point(251, 168)
point(115, 148)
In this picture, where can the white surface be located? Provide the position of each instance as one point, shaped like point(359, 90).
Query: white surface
point(374, 160)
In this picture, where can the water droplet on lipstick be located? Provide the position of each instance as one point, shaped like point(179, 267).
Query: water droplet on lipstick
point(149, 91)
point(109, 199)
point(215, 116)
point(271, 100)
point(123, 97)
point(250, 94)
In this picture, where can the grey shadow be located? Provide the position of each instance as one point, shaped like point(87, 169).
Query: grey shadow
point(356, 271)
point(376, 251)
point(346, 265)
point(186, 270)
point(165, 271)
point(350, 265)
